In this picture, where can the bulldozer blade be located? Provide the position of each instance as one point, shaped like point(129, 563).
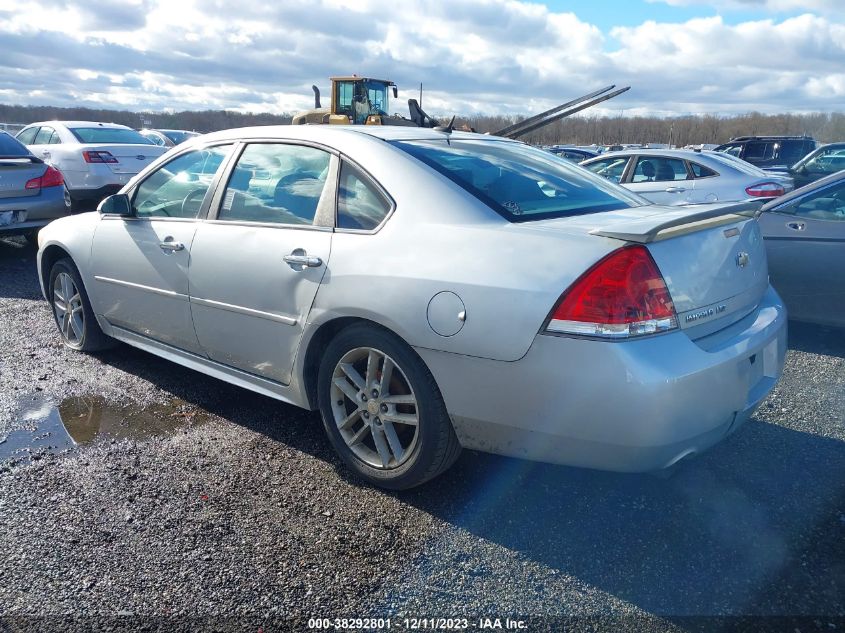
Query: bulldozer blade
point(505, 131)
point(555, 116)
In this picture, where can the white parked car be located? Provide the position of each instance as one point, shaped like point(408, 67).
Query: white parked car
point(688, 177)
point(96, 159)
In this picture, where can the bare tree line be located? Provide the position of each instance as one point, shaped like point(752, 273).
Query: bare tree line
point(577, 130)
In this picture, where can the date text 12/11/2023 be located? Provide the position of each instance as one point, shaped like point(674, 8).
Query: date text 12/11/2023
point(418, 624)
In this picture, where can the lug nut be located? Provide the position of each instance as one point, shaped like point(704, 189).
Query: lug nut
point(377, 420)
point(384, 408)
point(375, 393)
point(366, 415)
point(363, 397)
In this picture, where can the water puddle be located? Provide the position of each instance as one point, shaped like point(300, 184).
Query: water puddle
point(79, 420)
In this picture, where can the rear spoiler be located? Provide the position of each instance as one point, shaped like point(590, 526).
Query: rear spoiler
point(678, 221)
point(29, 157)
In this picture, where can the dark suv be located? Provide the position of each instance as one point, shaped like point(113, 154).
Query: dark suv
point(770, 152)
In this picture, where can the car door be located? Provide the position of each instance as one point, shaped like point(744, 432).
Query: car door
point(140, 263)
point(805, 246)
point(661, 179)
point(257, 262)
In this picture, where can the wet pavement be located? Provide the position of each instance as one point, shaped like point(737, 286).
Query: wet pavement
point(54, 428)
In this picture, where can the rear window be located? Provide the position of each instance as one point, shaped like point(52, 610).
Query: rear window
point(520, 182)
point(10, 147)
point(109, 135)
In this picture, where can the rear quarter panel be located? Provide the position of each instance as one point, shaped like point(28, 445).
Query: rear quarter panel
point(440, 238)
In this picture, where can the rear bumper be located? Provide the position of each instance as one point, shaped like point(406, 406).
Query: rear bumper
point(628, 406)
point(40, 210)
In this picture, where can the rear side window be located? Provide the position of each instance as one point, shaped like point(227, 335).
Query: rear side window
point(827, 203)
point(27, 136)
point(793, 151)
point(108, 135)
point(759, 150)
point(359, 204)
point(519, 182)
point(11, 147)
point(276, 183)
point(700, 171)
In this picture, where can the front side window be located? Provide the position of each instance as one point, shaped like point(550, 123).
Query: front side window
point(827, 203)
point(155, 138)
point(276, 183)
point(792, 151)
point(177, 189)
point(108, 135)
point(733, 150)
point(611, 168)
point(359, 204)
point(519, 182)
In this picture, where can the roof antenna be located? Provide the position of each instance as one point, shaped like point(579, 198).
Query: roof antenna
point(448, 128)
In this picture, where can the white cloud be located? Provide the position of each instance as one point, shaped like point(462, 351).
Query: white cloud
point(473, 56)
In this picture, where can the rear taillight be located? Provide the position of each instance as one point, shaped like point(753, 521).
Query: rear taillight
point(98, 157)
point(621, 296)
point(51, 178)
point(765, 190)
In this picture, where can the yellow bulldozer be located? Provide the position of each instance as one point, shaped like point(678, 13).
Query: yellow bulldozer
point(366, 101)
point(359, 101)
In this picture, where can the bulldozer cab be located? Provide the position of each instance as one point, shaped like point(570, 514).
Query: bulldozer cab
point(356, 99)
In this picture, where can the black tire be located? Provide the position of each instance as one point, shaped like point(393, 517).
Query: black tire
point(435, 447)
point(31, 237)
point(93, 338)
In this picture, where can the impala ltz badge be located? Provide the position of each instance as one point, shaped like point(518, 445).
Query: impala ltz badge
point(705, 314)
point(742, 259)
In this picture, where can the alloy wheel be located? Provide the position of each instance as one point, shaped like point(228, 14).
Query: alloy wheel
point(374, 408)
point(67, 306)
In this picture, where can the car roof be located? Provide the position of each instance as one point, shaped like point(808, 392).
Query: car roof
point(684, 154)
point(327, 132)
point(70, 124)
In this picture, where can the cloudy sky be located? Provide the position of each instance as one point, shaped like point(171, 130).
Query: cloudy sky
point(473, 56)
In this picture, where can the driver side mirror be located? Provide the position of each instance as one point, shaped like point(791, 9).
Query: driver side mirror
point(118, 204)
point(395, 92)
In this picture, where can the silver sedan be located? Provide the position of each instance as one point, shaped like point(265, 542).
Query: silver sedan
point(682, 176)
point(427, 291)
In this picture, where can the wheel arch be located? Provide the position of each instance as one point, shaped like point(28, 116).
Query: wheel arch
point(317, 343)
point(50, 256)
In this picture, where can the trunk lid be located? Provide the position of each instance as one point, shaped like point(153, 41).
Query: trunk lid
point(131, 158)
point(711, 256)
point(16, 172)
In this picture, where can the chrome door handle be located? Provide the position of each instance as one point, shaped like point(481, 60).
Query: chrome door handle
point(295, 259)
point(169, 245)
point(795, 226)
point(675, 189)
point(45, 154)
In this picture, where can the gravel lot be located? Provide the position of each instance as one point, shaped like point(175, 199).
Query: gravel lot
point(236, 513)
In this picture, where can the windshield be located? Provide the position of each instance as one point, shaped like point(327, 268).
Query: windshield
point(109, 135)
point(520, 182)
point(11, 147)
point(178, 136)
point(827, 159)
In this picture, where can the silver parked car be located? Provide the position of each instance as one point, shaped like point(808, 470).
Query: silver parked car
point(428, 291)
point(31, 193)
point(688, 176)
point(805, 242)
